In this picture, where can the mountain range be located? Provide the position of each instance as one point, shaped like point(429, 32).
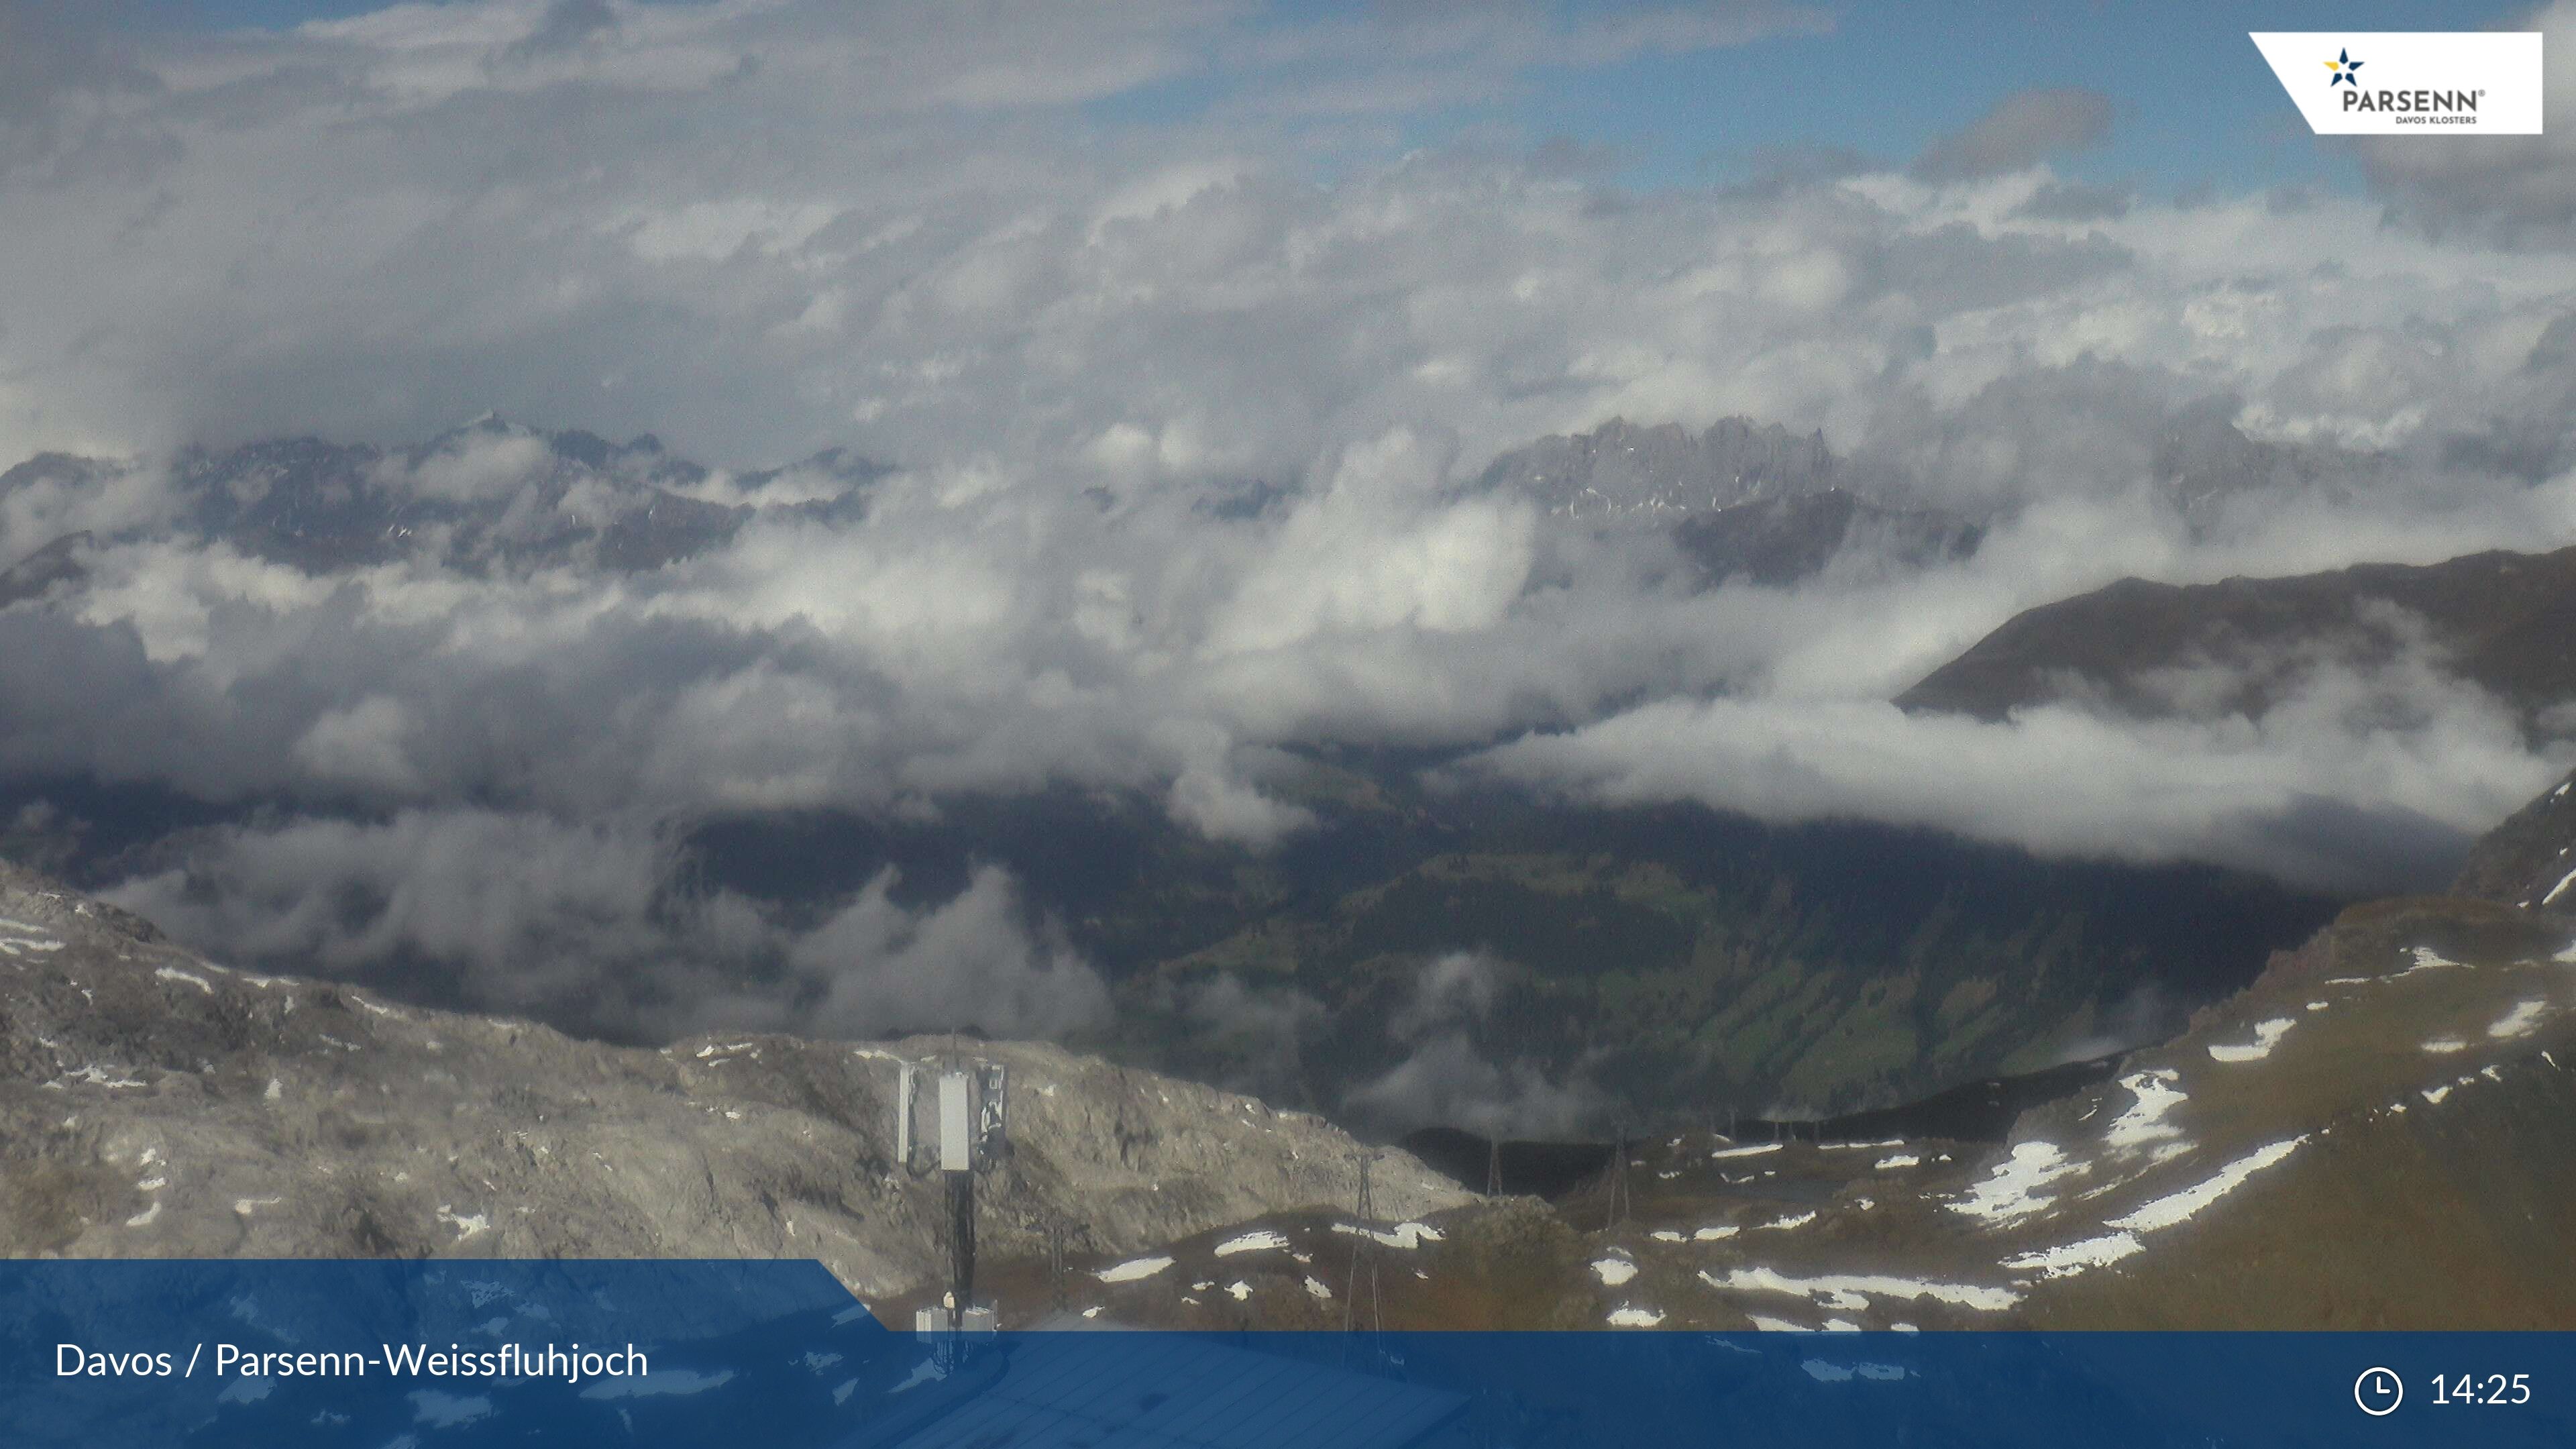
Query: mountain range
point(1425, 954)
point(2372, 1134)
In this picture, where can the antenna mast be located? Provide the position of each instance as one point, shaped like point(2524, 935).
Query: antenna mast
point(1620, 1202)
point(972, 1102)
point(1363, 1251)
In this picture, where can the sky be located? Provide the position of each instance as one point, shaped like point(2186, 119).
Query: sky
point(1078, 277)
point(2195, 104)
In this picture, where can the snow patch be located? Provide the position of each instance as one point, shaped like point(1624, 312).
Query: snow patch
point(2173, 1208)
point(1613, 1271)
point(1755, 1150)
point(2145, 1121)
point(448, 1411)
point(1902, 1159)
point(2011, 1191)
point(173, 973)
point(2427, 959)
point(1317, 1289)
point(2267, 1034)
point(1792, 1220)
point(470, 1225)
point(1133, 1269)
point(1407, 1236)
point(1715, 1234)
point(1834, 1373)
point(1852, 1291)
point(1252, 1242)
point(2521, 1021)
point(2445, 1045)
point(2074, 1258)
point(1624, 1317)
point(669, 1381)
point(2559, 889)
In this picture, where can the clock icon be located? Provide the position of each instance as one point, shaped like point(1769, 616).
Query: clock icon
point(2378, 1391)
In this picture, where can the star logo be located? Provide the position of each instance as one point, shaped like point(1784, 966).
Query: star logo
point(2346, 70)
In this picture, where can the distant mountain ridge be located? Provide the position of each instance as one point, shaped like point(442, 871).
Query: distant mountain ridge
point(1740, 500)
point(492, 496)
point(1625, 472)
point(2505, 622)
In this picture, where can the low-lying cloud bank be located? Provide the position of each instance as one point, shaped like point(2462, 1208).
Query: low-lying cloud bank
point(2317, 792)
point(1181, 428)
point(596, 927)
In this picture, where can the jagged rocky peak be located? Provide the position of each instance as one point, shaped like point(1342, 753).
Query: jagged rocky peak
point(1622, 470)
point(1740, 500)
point(1781, 540)
point(156, 1104)
point(489, 496)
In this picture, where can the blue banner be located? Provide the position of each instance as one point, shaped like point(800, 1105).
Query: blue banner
point(456, 1354)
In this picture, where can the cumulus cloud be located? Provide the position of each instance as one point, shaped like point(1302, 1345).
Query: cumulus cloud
point(1180, 427)
point(1451, 1075)
point(1448, 1082)
point(2520, 189)
point(970, 962)
point(597, 927)
point(2019, 132)
point(1457, 987)
point(2412, 764)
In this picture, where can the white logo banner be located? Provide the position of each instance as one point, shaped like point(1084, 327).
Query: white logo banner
point(2419, 84)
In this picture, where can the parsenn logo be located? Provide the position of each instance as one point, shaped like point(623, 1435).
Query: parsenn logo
point(2436, 83)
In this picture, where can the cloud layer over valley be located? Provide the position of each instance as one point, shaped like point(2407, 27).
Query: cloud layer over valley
point(1176, 422)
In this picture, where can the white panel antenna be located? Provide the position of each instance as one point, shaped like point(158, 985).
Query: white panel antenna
point(956, 1123)
point(905, 1087)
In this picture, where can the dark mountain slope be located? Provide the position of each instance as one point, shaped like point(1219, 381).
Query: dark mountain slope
point(2530, 860)
point(2505, 622)
point(2379, 1133)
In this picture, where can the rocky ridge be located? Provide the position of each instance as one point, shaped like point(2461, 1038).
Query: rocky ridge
point(155, 1104)
point(2502, 622)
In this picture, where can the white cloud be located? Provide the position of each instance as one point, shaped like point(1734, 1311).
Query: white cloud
point(1182, 416)
point(590, 926)
point(968, 962)
point(2287, 793)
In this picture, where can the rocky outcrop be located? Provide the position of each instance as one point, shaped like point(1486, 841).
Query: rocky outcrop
point(155, 1104)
